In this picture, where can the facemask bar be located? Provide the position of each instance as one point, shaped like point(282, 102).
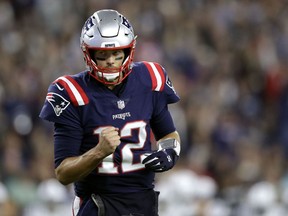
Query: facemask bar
point(106, 75)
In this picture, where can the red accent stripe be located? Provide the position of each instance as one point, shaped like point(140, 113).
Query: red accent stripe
point(161, 72)
point(70, 93)
point(152, 75)
point(79, 88)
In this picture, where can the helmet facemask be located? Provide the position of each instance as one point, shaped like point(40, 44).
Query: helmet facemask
point(107, 75)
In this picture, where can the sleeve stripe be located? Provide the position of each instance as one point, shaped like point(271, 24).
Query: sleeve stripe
point(161, 72)
point(152, 75)
point(83, 95)
point(76, 93)
point(157, 75)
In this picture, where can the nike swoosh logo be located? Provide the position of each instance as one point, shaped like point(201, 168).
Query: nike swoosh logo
point(61, 89)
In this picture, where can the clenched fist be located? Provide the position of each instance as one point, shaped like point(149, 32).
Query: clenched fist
point(109, 140)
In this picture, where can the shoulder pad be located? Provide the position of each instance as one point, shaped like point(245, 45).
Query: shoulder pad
point(157, 75)
point(76, 93)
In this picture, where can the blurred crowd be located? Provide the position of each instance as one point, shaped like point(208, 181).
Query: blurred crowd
point(228, 62)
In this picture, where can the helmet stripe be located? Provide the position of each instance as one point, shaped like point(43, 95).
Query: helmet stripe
point(76, 93)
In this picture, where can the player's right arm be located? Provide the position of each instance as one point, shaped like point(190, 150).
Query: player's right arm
point(64, 98)
point(76, 168)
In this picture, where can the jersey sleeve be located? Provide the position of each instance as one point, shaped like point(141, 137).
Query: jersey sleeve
point(163, 94)
point(63, 107)
point(160, 82)
point(63, 100)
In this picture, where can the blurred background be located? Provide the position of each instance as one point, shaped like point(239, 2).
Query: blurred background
point(228, 62)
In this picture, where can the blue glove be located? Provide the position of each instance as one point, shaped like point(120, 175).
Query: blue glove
point(161, 161)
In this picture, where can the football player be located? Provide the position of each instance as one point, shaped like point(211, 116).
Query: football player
point(104, 118)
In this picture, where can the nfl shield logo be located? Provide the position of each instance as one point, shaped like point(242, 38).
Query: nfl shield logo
point(121, 104)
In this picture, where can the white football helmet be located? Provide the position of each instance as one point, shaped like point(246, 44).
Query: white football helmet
point(108, 30)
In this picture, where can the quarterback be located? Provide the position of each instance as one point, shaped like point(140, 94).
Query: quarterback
point(104, 118)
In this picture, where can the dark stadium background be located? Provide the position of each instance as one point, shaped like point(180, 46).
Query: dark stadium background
point(228, 62)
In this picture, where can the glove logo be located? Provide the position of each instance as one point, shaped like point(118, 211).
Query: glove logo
point(161, 160)
point(169, 158)
point(57, 102)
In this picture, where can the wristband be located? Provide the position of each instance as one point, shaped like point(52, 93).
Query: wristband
point(170, 144)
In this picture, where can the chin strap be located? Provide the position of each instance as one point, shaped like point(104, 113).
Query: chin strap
point(170, 144)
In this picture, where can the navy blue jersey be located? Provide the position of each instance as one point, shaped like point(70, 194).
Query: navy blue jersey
point(84, 107)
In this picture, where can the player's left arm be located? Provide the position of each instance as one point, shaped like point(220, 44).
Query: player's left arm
point(168, 143)
point(168, 139)
point(167, 154)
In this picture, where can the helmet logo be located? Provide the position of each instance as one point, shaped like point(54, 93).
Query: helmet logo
point(126, 23)
point(88, 24)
